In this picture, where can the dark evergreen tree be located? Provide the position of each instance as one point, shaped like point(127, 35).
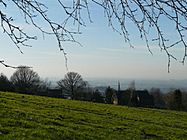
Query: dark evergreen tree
point(108, 95)
point(5, 84)
point(97, 97)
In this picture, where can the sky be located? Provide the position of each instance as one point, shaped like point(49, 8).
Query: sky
point(103, 54)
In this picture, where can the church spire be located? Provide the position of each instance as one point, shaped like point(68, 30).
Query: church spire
point(119, 86)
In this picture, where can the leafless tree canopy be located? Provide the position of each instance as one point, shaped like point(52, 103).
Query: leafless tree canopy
point(72, 83)
point(25, 79)
point(148, 17)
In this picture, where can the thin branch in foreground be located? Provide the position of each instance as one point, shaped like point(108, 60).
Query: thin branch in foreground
point(147, 16)
point(14, 67)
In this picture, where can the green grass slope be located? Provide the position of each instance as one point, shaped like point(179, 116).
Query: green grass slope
point(34, 118)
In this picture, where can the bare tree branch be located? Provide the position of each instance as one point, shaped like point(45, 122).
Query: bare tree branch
point(148, 16)
point(10, 66)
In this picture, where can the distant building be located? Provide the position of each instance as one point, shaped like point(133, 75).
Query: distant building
point(144, 99)
point(124, 97)
point(140, 98)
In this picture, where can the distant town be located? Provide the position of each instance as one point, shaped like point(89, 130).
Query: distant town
point(137, 94)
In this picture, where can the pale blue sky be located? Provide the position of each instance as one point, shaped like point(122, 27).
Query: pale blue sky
point(104, 53)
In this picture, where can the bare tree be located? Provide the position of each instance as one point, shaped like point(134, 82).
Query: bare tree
point(148, 17)
point(72, 84)
point(25, 80)
point(158, 97)
point(174, 100)
point(133, 98)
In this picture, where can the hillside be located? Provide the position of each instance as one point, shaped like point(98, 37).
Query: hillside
point(34, 118)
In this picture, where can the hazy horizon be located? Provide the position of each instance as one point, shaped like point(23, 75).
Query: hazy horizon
point(140, 84)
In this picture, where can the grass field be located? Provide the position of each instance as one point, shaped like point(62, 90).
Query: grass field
point(34, 118)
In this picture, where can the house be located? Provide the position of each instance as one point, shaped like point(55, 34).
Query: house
point(143, 98)
point(123, 97)
point(132, 97)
